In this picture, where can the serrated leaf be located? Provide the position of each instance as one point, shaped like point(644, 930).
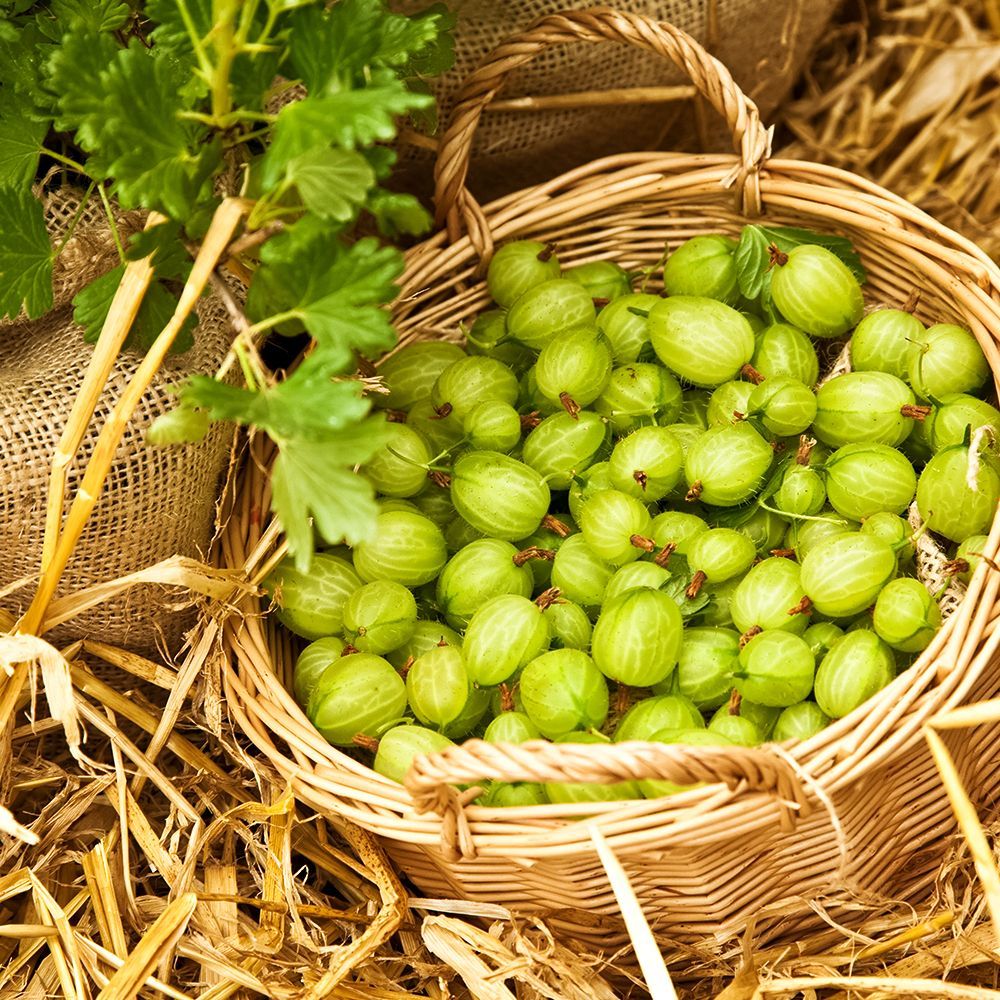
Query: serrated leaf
point(92, 15)
point(396, 213)
point(164, 241)
point(348, 119)
point(181, 425)
point(21, 136)
point(676, 587)
point(92, 303)
point(332, 182)
point(329, 46)
point(751, 260)
point(73, 74)
point(25, 255)
point(312, 486)
point(437, 54)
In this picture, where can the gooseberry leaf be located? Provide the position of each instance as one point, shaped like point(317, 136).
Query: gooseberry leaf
point(751, 259)
point(332, 183)
point(25, 255)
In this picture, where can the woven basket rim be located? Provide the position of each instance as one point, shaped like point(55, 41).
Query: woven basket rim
point(328, 778)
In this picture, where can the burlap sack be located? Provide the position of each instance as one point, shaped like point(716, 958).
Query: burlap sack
point(157, 502)
point(764, 43)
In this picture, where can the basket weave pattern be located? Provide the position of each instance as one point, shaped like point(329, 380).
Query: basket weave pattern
point(858, 807)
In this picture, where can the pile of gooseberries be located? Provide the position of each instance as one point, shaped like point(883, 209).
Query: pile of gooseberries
point(625, 515)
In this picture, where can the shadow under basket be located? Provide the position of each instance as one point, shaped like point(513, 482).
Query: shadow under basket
point(857, 809)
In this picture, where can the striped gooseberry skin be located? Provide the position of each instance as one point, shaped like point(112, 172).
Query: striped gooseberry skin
point(569, 624)
point(783, 349)
point(894, 530)
point(579, 573)
point(609, 520)
point(627, 332)
point(587, 484)
point(664, 711)
point(508, 795)
point(946, 501)
point(574, 364)
point(802, 491)
point(776, 669)
point(580, 791)
point(548, 309)
point(906, 616)
point(717, 612)
point(948, 359)
point(845, 574)
point(653, 788)
point(765, 529)
point(633, 575)
point(476, 707)
point(706, 666)
point(479, 571)
point(379, 617)
point(762, 716)
point(398, 747)
point(399, 469)
point(785, 405)
point(311, 662)
point(799, 722)
point(426, 635)
point(865, 479)
point(728, 463)
point(736, 729)
point(757, 322)
point(493, 425)
point(863, 406)
point(405, 548)
point(677, 528)
point(822, 637)
point(971, 553)
point(411, 372)
point(816, 291)
point(954, 414)
point(545, 538)
point(720, 554)
point(859, 666)
point(470, 381)
point(561, 446)
point(646, 464)
point(604, 279)
point(765, 597)
point(517, 267)
point(703, 266)
point(498, 495)
point(511, 727)
point(503, 635)
point(311, 604)
point(441, 433)
point(703, 341)
point(637, 637)
point(804, 536)
point(460, 533)
point(437, 686)
point(884, 342)
point(360, 693)
point(562, 691)
point(639, 394)
point(726, 401)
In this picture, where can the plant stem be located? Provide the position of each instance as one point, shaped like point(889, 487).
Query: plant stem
point(111, 223)
point(59, 158)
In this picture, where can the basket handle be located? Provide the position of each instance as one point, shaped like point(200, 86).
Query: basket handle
point(431, 778)
point(456, 206)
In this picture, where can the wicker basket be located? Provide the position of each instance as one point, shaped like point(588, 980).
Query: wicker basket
point(858, 809)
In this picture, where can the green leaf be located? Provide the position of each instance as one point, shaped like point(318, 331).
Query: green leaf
point(397, 213)
point(349, 119)
point(91, 15)
point(332, 182)
point(313, 481)
point(429, 43)
point(25, 255)
point(91, 305)
point(181, 425)
point(74, 75)
point(21, 136)
point(165, 242)
point(676, 587)
point(752, 260)
point(328, 47)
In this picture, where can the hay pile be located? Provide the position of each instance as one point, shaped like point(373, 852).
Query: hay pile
point(162, 860)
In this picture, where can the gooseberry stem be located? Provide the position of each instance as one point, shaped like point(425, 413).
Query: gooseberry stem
point(529, 421)
point(570, 405)
point(556, 526)
point(439, 478)
point(641, 479)
point(396, 416)
point(804, 607)
point(694, 492)
point(749, 634)
point(663, 556)
point(548, 597)
point(778, 258)
point(642, 542)
point(533, 552)
point(806, 445)
point(442, 411)
point(735, 700)
point(365, 742)
point(751, 374)
point(348, 650)
point(546, 252)
point(918, 413)
point(783, 553)
point(506, 697)
point(696, 582)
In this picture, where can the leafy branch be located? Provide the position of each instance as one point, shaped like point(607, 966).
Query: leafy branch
point(169, 104)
